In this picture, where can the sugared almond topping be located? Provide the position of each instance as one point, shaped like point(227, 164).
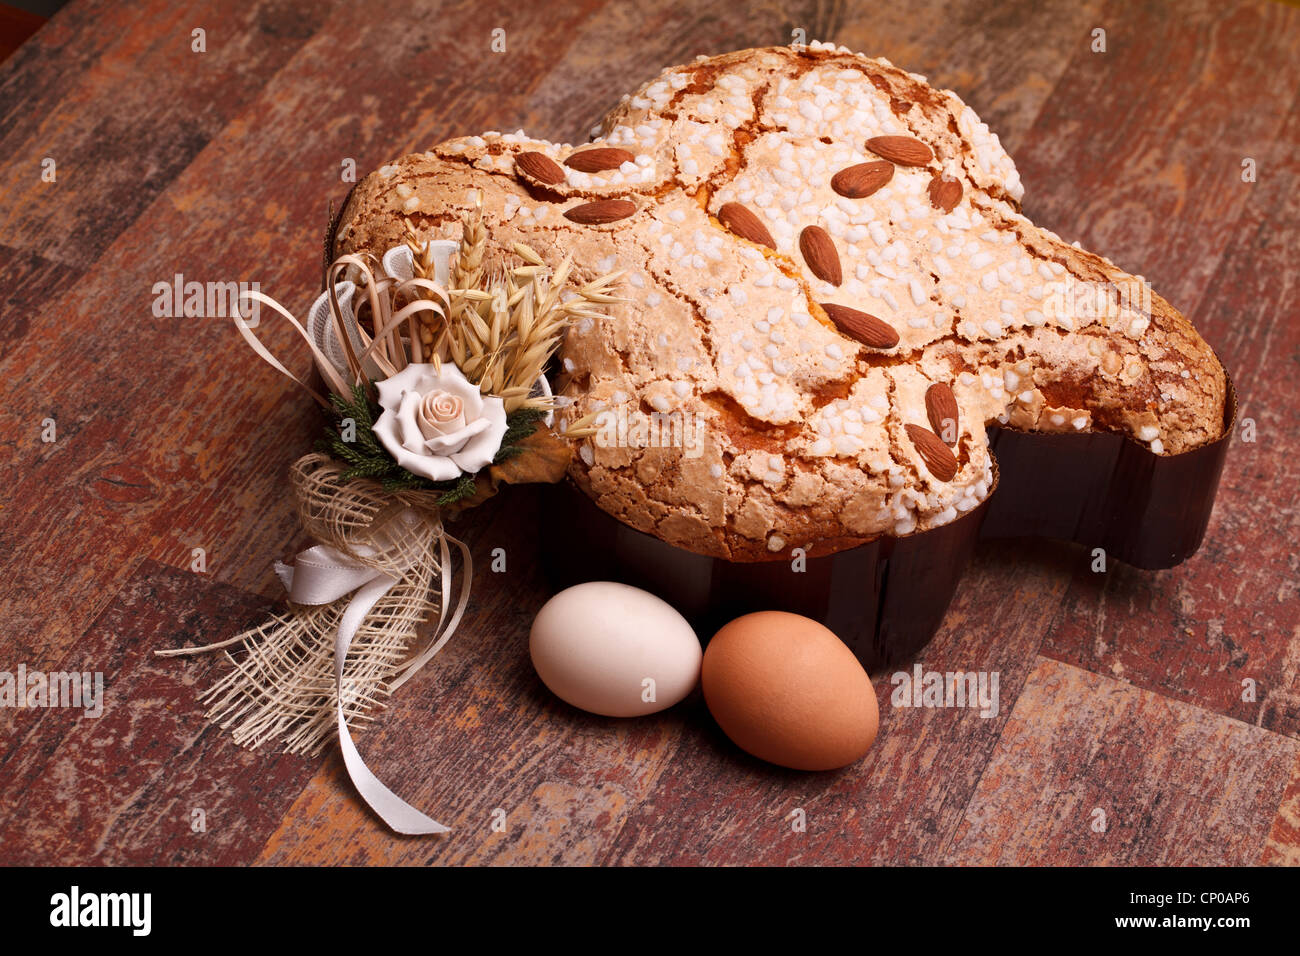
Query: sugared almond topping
point(818, 250)
point(540, 167)
point(941, 408)
point(935, 454)
point(903, 150)
point(860, 181)
point(600, 211)
point(945, 193)
point(740, 220)
point(866, 328)
point(598, 159)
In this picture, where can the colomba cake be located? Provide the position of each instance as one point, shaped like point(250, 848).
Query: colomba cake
point(829, 291)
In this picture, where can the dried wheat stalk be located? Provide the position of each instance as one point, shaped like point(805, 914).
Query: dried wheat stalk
point(503, 323)
point(583, 427)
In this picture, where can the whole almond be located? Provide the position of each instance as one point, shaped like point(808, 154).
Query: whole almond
point(598, 159)
point(860, 181)
point(601, 211)
point(863, 326)
point(941, 408)
point(945, 193)
point(903, 150)
point(935, 454)
point(540, 167)
point(818, 250)
point(740, 220)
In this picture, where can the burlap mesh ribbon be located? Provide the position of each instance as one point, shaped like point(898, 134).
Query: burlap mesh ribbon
point(284, 685)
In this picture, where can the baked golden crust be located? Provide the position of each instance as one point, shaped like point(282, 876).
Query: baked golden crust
point(809, 428)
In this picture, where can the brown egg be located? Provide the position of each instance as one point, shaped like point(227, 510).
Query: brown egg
point(787, 690)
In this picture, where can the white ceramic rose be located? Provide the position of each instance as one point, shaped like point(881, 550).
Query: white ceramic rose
point(437, 424)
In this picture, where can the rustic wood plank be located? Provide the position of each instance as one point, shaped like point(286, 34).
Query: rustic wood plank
point(171, 438)
point(1004, 60)
point(133, 105)
point(579, 89)
point(28, 282)
point(1283, 845)
point(1137, 153)
point(1176, 784)
point(1231, 613)
point(122, 788)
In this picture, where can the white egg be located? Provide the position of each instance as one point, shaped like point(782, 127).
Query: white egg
point(614, 650)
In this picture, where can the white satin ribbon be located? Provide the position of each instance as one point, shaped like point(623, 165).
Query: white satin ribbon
point(321, 575)
point(399, 263)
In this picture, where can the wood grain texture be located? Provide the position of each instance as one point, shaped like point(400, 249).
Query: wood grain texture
point(1149, 136)
point(1283, 845)
point(1174, 784)
point(1004, 60)
point(123, 788)
point(132, 108)
point(1223, 630)
point(1121, 690)
point(27, 282)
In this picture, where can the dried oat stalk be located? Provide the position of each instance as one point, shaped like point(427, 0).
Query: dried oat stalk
point(503, 321)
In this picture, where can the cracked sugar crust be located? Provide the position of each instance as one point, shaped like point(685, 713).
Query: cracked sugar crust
point(810, 432)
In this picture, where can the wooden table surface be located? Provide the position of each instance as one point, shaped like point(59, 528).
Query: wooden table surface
point(1145, 717)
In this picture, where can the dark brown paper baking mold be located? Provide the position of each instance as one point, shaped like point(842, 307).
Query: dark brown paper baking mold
point(886, 599)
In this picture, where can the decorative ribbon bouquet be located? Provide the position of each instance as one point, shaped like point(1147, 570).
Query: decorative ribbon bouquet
point(434, 358)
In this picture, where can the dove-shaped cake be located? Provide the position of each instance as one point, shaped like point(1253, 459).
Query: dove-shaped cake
point(828, 292)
